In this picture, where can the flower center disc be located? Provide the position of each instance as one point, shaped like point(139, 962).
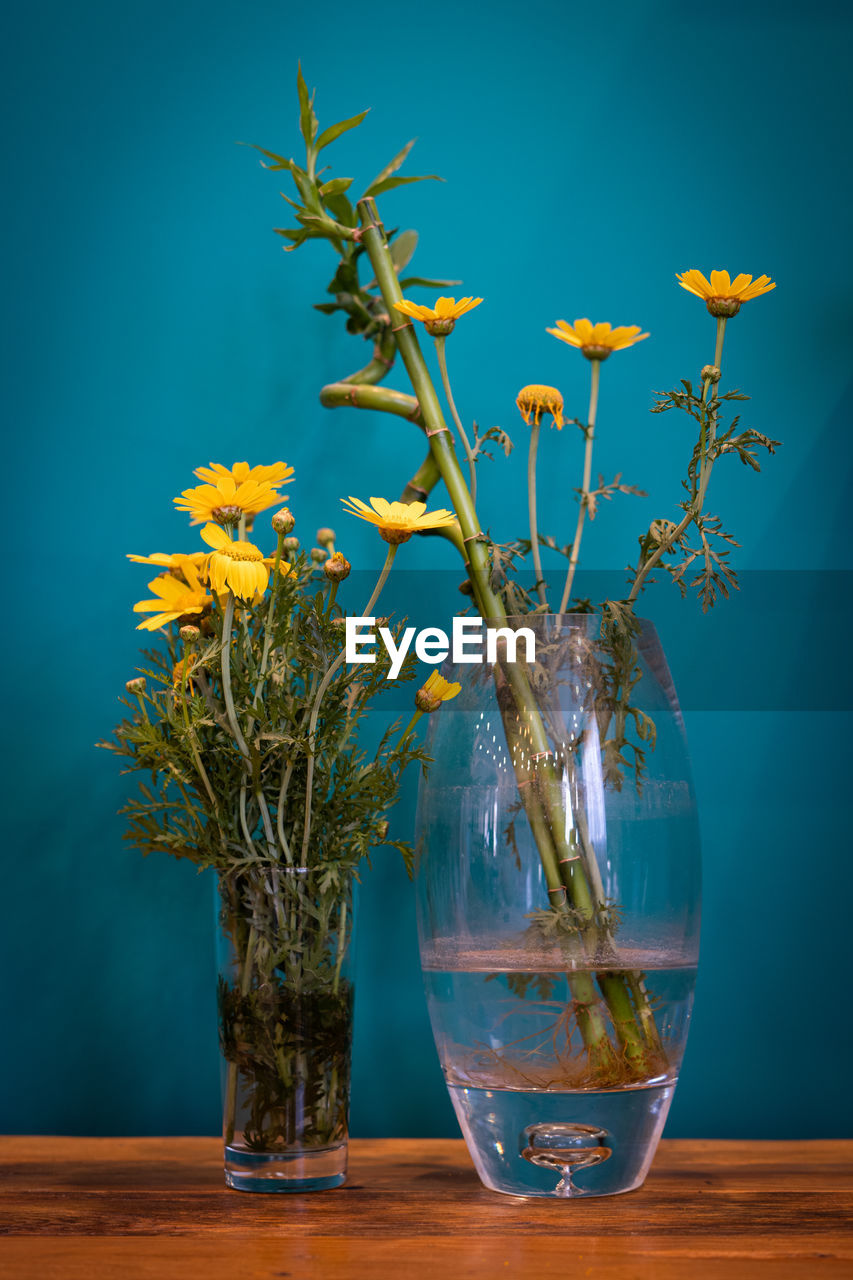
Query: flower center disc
point(243, 551)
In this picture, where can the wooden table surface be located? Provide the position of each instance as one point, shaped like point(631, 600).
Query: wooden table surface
point(87, 1208)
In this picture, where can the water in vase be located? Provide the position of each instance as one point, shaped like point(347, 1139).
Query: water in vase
point(523, 1067)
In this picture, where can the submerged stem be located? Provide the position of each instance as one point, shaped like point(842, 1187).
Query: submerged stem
point(231, 1084)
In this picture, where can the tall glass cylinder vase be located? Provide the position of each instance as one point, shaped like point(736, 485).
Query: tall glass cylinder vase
point(558, 901)
point(285, 1018)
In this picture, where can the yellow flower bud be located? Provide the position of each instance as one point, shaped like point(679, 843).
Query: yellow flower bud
point(136, 686)
point(337, 567)
point(283, 521)
point(189, 634)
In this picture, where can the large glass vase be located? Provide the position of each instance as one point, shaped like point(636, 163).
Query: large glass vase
point(558, 902)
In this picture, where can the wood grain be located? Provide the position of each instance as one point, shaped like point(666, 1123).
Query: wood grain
point(77, 1208)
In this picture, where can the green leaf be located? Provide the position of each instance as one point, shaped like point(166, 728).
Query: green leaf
point(403, 248)
point(307, 119)
point(305, 187)
point(413, 282)
point(279, 162)
point(389, 184)
point(335, 187)
point(390, 168)
point(334, 131)
point(341, 209)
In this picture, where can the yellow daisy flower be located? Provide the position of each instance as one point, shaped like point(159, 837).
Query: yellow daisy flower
point(436, 690)
point(596, 341)
point(440, 319)
point(235, 566)
point(227, 500)
point(397, 521)
point(277, 474)
point(175, 599)
point(722, 295)
point(535, 399)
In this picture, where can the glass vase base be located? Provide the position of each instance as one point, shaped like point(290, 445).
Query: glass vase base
point(314, 1169)
point(562, 1144)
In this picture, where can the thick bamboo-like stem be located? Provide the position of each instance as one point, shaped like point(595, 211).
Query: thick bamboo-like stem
point(591, 1024)
point(422, 482)
point(490, 605)
point(440, 438)
point(337, 395)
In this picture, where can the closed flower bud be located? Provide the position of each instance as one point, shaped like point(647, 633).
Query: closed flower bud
point(382, 829)
point(337, 568)
point(136, 686)
point(291, 544)
point(710, 373)
point(325, 536)
point(189, 634)
point(318, 555)
point(283, 521)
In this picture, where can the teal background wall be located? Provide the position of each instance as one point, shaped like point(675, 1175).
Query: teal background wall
point(152, 323)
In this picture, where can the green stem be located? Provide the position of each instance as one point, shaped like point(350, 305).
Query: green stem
point(422, 482)
point(706, 466)
point(531, 505)
point(441, 441)
point(318, 700)
point(228, 698)
point(590, 1020)
point(384, 352)
point(338, 395)
point(589, 433)
point(268, 630)
point(279, 815)
point(695, 507)
point(490, 606)
point(342, 935)
point(231, 1084)
point(230, 711)
point(410, 727)
point(200, 769)
point(445, 382)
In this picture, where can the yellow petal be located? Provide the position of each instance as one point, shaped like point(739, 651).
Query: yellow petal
point(215, 536)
